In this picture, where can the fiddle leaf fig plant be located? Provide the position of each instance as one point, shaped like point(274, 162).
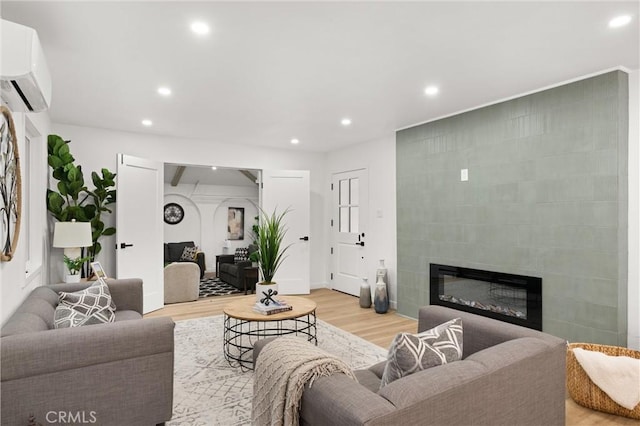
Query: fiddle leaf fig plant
point(73, 199)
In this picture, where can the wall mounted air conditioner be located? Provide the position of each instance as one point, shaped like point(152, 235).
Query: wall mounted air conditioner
point(25, 82)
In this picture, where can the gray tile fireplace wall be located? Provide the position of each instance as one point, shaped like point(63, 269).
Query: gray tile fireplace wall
point(546, 197)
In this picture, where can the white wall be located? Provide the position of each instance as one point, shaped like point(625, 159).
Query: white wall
point(15, 285)
point(96, 148)
point(205, 222)
point(379, 158)
point(633, 307)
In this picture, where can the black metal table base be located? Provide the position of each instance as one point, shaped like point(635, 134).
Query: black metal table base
point(240, 335)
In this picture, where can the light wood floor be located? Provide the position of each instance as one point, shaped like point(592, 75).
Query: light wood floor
point(343, 311)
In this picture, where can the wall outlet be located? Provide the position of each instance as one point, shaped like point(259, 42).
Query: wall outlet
point(464, 175)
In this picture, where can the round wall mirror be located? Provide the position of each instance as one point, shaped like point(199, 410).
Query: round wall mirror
point(10, 186)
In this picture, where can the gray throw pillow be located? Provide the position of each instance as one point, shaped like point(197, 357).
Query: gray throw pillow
point(92, 305)
point(410, 353)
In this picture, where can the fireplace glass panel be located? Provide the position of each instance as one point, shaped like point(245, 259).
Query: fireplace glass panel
point(507, 297)
point(488, 296)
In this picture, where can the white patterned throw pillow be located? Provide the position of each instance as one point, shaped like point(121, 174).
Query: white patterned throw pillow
point(410, 353)
point(92, 305)
point(189, 253)
point(241, 255)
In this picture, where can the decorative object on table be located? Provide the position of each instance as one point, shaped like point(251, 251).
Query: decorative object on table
point(365, 293)
point(235, 223)
point(98, 270)
point(271, 232)
point(276, 307)
point(585, 392)
point(381, 296)
point(173, 213)
point(72, 236)
point(10, 186)
point(73, 200)
point(267, 297)
point(226, 245)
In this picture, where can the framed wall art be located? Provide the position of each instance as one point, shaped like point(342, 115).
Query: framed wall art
point(235, 223)
point(10, 186)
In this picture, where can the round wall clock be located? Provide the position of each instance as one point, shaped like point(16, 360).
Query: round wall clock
point(173, 213)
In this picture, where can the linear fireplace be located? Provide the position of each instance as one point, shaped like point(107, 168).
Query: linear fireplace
point(511, 298)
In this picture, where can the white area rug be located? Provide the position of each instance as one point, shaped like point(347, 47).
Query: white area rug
point(208, 391)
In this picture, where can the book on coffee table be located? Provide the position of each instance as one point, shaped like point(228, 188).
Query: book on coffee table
point(274, 307)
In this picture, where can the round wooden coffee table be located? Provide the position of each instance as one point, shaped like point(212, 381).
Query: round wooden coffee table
point(243, 326)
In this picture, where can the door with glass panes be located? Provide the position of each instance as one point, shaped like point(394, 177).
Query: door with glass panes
point(349, 230)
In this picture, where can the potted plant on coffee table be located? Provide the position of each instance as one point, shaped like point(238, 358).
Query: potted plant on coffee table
point(271, 232)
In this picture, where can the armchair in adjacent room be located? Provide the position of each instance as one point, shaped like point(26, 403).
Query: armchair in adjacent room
point(173, 252)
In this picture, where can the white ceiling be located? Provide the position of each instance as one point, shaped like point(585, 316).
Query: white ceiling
point(205, 176)
point(270, 72)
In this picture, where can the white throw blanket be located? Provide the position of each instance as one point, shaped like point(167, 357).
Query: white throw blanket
point(617, 376)
point(283, 368)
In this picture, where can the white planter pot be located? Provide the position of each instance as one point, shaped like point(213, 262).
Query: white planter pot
point(72, 278)
point(265, 288)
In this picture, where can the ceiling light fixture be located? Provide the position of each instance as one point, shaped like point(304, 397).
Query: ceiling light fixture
point(346, 121)
point(147, 122)
point(164, 91)
point(619, 21)
point(295, 141)
point(214, 168)
point(200, 28)
point(431, 91)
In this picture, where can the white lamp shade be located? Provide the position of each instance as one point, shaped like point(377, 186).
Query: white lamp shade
point(72, 234)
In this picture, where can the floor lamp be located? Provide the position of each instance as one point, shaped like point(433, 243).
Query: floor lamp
point(72, 236)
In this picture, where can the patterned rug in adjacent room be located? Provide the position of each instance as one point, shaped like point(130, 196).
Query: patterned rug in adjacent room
point(207, 391)
point(210, 287)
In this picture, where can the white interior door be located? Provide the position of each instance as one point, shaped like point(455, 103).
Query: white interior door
point(139, 224)
point(290, 189)
point(349, 229)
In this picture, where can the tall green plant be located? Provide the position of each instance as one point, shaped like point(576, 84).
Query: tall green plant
point(271, 232)
point(73, 200)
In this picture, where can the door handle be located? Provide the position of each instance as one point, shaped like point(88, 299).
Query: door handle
point(361, 243)
point(305, 238)
point(123, 245)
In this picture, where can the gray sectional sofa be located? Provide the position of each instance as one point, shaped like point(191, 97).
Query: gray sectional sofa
point(119, 373)
point(509, 375)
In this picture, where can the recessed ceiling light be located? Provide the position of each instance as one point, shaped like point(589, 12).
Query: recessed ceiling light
point(200, 28)
point(295, 141)
point(147, 122)
point(620, 21)
point(214, 168)
point(164, 91)
point(346, 121)
point(431, 91)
